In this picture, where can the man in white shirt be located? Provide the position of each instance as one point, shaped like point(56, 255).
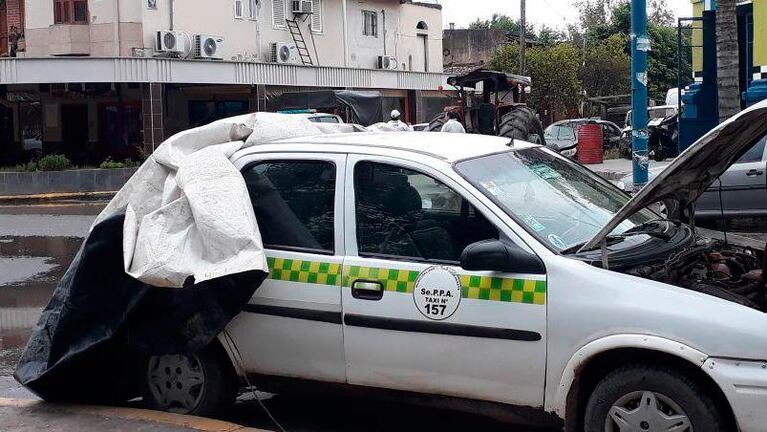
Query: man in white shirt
point(453, 125)
point(397, 124)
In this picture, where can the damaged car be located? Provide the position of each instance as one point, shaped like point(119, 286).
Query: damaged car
point(494, 276)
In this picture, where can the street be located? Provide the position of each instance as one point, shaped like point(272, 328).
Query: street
point(37, 243)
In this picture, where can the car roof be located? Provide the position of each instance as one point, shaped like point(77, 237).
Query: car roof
point(450, 147)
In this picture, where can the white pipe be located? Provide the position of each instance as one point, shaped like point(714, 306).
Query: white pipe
point(346, 33)
point(117, 31)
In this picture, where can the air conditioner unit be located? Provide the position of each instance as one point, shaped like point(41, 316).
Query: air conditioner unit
point(302, 6)
point(387, 62)
point(172, 42)
point(208, 47)
point(284, 52)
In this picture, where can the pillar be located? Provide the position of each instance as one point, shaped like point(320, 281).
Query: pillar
point(152, 102)
point(757, 90)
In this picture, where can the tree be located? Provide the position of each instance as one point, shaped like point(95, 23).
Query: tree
point(606, 70)
point(554, 72)
point(727, 61)
point(501, 22)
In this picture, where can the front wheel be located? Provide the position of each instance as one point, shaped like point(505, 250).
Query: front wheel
point(200, 384)
point(646, 398)
point(436, 124)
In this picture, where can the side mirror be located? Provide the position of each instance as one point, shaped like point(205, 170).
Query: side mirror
point(500, 256)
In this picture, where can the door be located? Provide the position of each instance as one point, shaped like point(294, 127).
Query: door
point(413, 319)
point(292, 325)
point(743, 187)
point(74, 132)
point(421, 54)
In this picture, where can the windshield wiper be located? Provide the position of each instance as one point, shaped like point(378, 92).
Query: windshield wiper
point(617, 238)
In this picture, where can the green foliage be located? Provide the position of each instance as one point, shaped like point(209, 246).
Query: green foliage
point(109, 163)
point(607, 69)
point(501, 22)
point(54, 162)
point(27, 167)
point(554, 71)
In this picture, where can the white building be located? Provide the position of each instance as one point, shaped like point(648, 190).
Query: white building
point(91, 78)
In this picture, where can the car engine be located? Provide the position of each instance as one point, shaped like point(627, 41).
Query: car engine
point(711, 267)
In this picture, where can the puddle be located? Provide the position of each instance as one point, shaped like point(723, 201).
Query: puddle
point(30, 267)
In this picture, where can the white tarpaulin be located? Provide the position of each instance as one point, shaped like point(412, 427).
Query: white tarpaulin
point(187, 209)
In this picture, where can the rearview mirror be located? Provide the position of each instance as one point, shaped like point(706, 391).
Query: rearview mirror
point(500, 256)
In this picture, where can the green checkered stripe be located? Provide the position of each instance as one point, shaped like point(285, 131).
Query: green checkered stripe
point(526, 291)
point(312, 272)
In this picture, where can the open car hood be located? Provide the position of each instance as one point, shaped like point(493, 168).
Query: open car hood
point(693, 171)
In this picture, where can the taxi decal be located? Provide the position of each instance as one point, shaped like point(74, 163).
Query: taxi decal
point(314, 272)
point(511, 290)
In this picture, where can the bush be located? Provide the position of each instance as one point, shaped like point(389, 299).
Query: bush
point(110, 163)
point(54, 162)
point(25, 167)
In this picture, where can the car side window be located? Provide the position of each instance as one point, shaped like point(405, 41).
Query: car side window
point(404, 214)
point(754, 154)
point(294, 203)
point(568, 132)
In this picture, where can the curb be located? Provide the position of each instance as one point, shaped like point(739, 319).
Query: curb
point(54, 197)
point(201, 424)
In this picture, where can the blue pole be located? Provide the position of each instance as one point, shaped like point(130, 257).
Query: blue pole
point(640, 44)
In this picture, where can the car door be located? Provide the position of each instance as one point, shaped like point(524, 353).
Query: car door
point(292, 325)
point(743, 187)
point(413, 319)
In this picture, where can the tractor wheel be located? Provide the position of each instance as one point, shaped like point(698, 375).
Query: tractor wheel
point(521, 123)
point(436, 124)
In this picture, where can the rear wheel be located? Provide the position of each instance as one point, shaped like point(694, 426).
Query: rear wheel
point(647, 398)
point(198, 384)
point(436, 124)
point(521, 123)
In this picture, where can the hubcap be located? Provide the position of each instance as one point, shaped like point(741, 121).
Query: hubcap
point(176, 382)
point(646, 411)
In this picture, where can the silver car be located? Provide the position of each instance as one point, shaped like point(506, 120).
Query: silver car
point(742, 188)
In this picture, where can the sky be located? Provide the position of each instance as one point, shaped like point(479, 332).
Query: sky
point(554, 13)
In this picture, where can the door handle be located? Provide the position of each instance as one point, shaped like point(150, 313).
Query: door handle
point(367, 290)
point(754, 172)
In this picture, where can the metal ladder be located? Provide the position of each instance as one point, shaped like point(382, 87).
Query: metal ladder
point(298, 38)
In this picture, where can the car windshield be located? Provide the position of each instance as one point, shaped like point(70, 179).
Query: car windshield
point(558, 201)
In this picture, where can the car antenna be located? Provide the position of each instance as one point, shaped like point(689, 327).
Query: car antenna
point(511, 143)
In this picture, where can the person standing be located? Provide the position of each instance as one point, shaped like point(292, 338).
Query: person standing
point(453, 125)
point(397, 124)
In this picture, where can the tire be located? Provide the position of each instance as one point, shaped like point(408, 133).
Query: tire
point(436, 124)
point(522, 124)
point(201, 384)
point(663, 392)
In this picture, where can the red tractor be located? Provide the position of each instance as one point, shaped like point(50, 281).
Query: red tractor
point(501, 110)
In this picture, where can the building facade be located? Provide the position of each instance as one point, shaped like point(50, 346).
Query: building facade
point(89, 78)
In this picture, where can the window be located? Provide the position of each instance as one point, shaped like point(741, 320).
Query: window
point(253, 9)
point(402, 213)
point(370, 23)
point(294, 204)
point(238, 12)
point(317, 16)
point(754, 154)
point(70, 11)
point(278, 13)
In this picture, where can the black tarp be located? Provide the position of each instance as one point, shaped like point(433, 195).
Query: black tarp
point(366, 107)
point(101, 323)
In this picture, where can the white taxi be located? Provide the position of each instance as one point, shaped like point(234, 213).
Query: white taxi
point(483, 272)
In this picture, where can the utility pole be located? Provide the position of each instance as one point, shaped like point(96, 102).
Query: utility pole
point(522, 43)
point(640, 44)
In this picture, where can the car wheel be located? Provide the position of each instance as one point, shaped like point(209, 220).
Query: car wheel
point(436, 124)
point(646, 398)
point(198, 384)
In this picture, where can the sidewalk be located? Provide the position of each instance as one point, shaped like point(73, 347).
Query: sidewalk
point(616, 169)
point(24, 415)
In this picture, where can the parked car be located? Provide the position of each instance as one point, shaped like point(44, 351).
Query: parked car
point(655, 115)
point(562, 136)
point(743, 187)
point(494, 276)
